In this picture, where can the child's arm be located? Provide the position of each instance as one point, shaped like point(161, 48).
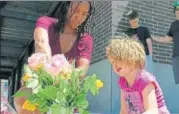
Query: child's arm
point(149, 99)
point(123, 105)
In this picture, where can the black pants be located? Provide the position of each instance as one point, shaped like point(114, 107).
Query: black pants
point(175, 63)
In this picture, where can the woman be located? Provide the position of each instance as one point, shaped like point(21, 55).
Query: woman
point(66, 35)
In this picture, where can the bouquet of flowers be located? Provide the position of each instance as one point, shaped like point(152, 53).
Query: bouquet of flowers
point(56, 86)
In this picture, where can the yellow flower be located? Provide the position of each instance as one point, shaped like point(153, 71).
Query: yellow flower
point(65, 75)
point(28, 106)
point(99, 84)
point(37, 67)
point(25, 77)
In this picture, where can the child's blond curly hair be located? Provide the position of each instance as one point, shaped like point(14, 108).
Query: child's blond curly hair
point(127, 51)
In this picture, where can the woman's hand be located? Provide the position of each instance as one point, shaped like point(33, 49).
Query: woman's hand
point(42, 42)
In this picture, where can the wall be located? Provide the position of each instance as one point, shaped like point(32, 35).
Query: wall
point(111, 20)
point(102, 30)
point(102, 102)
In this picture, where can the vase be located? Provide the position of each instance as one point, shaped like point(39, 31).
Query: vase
point(61, 110)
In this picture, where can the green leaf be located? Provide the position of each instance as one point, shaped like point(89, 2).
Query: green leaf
point(75, 82)
point(50, 92)
point(41, 103)
point(81, 101)
point(33, 98)
point(57, 109)
point(81, 97)
point(93, 90)
point(43, 109)
point(19, 94)
point(82, 111)
point(60, 95)
point(22, 93)
point(78, 72)
point(89, 82)
point(54, 105)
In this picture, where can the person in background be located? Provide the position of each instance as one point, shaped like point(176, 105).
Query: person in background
point(141, 34)
point(173, 36)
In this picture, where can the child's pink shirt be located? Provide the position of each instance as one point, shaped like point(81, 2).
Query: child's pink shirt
point(133, 95)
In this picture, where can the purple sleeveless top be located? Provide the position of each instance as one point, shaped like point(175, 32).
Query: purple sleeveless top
point(133, 95)
point(82, 48)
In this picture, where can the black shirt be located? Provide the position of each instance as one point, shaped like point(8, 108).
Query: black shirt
point(174, 33)
point(142, 34)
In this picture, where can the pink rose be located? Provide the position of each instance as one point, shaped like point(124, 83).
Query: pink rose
point(58, 63)
point(36, 59)
point(59, 60)
point(53, 69)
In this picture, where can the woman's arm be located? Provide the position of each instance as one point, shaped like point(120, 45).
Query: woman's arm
point(149, 99)
point(83, 64)
point(41, 41)
point(85, 49)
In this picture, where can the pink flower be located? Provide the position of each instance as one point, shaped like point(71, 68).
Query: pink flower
point(52, 69)
point(59, 60)
point(36, 59)
point(58, 63)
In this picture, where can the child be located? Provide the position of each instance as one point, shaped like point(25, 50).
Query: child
point(140, 92)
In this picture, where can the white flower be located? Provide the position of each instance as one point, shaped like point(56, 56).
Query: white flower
point(32, 83)
point(36, 90)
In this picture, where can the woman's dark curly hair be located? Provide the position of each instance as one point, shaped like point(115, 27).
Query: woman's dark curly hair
point(61, 15)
